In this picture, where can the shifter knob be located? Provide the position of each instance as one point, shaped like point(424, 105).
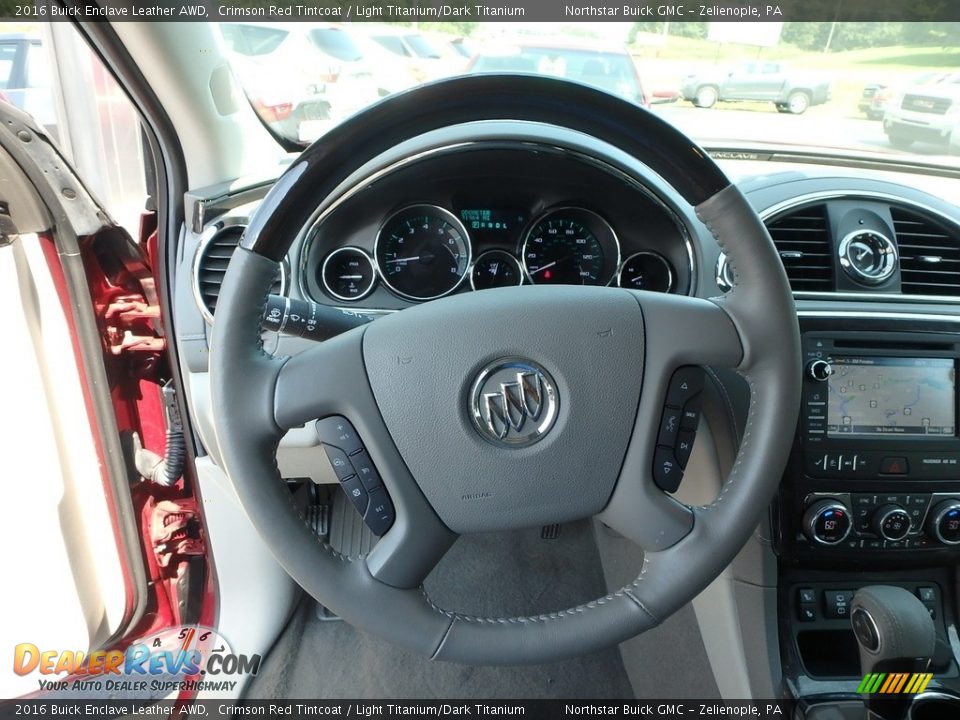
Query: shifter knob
point(891, 625)
point(896, 634)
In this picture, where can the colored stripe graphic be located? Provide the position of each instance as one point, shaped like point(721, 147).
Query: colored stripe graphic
point(894, 683)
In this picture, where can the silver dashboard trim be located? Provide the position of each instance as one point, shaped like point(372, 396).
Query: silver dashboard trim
point(443, 213)
point(651, 253)
point(206, 237)
point(556, 210)
point(785, 205)
point(636, 180)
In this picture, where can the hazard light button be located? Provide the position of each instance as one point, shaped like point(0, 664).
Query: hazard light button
point(894, 466)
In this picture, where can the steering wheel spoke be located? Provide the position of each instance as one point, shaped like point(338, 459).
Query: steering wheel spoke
point(327, 385)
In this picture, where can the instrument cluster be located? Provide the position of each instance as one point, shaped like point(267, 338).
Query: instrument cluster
point(481, 233)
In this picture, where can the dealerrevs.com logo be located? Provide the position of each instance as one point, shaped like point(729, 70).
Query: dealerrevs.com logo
point(178, 659)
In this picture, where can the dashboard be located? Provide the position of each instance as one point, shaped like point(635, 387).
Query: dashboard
point(457, 222)
point(870, 493)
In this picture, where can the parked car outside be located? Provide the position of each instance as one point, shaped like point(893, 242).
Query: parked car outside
point(876, 96)
point(426, 58)
point(326, 80)
point(611, 70)
point(926, 112)
point(789, 91)
point(26, 77)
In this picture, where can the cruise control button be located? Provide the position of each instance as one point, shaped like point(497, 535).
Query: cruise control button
point(338, 461)
point(337, 431)
point(685, 383)
point(684, 446)
point(379, 515)
point(666, 471)
point(365, 470)
point(356, 494)
point(669, 427)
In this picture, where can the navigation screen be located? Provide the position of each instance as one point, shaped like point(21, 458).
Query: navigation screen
point(891, 396)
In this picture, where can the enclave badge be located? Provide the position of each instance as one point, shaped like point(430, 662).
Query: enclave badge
point(514, 402)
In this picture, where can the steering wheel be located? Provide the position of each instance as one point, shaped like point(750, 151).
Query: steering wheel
point(598, 359)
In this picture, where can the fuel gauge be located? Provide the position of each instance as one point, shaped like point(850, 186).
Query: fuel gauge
point(496, 268)
point(347, 274)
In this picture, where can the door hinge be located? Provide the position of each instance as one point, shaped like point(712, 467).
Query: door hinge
point(128, 325)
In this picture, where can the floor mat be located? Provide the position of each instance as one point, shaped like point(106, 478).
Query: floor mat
point(497, 574)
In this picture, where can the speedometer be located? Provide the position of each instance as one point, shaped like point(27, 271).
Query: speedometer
point(422, 252)
point(570, 246)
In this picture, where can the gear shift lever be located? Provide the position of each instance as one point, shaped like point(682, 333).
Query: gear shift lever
point(895, 634)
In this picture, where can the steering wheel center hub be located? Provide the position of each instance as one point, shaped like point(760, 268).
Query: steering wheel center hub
point(514, 402)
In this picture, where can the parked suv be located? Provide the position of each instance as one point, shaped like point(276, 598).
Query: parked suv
point(928, 112)
point(757, 81)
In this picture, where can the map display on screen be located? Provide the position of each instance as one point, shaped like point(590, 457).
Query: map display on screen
point(892, 396)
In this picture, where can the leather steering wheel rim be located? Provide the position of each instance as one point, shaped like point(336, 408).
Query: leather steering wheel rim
point(753, 328)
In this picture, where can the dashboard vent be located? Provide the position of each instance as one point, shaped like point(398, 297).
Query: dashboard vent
point(802, 237)
point(212, 264)
point(929, 254)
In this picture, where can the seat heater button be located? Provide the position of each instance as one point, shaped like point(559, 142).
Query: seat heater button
point(379, 515)
point(666, 469)
point(337, 431)
point(365, 470)
point(338, 461)
point(356, 494)
point(685, 383)
point(684, 446)
point(807, 596)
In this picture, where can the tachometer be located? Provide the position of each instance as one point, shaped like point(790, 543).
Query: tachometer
point(422, 252)
point(570, 246)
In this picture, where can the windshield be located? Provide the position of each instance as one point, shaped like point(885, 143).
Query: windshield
point(887, 89)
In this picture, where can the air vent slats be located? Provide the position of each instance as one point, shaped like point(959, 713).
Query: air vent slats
point(803, 241)
point(929, 254)
point(212, 266)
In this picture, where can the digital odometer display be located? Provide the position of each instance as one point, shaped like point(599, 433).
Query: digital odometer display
point(495, 220)
point(872, 396)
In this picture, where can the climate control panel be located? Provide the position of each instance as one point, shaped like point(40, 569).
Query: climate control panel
point(882, 521)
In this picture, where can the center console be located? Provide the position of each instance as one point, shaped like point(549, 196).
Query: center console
point(871, 493)
point(876, 466)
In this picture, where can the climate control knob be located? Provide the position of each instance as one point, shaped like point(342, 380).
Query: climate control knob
point(891, 522)
point(819, 370)
point(944, 522)
point(827, 522)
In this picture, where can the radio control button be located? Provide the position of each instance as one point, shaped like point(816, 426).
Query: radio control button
point(894, 466)
point(685, 383)
point(819, 370)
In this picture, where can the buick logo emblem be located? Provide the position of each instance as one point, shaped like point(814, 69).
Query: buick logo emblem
point(514, 402)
